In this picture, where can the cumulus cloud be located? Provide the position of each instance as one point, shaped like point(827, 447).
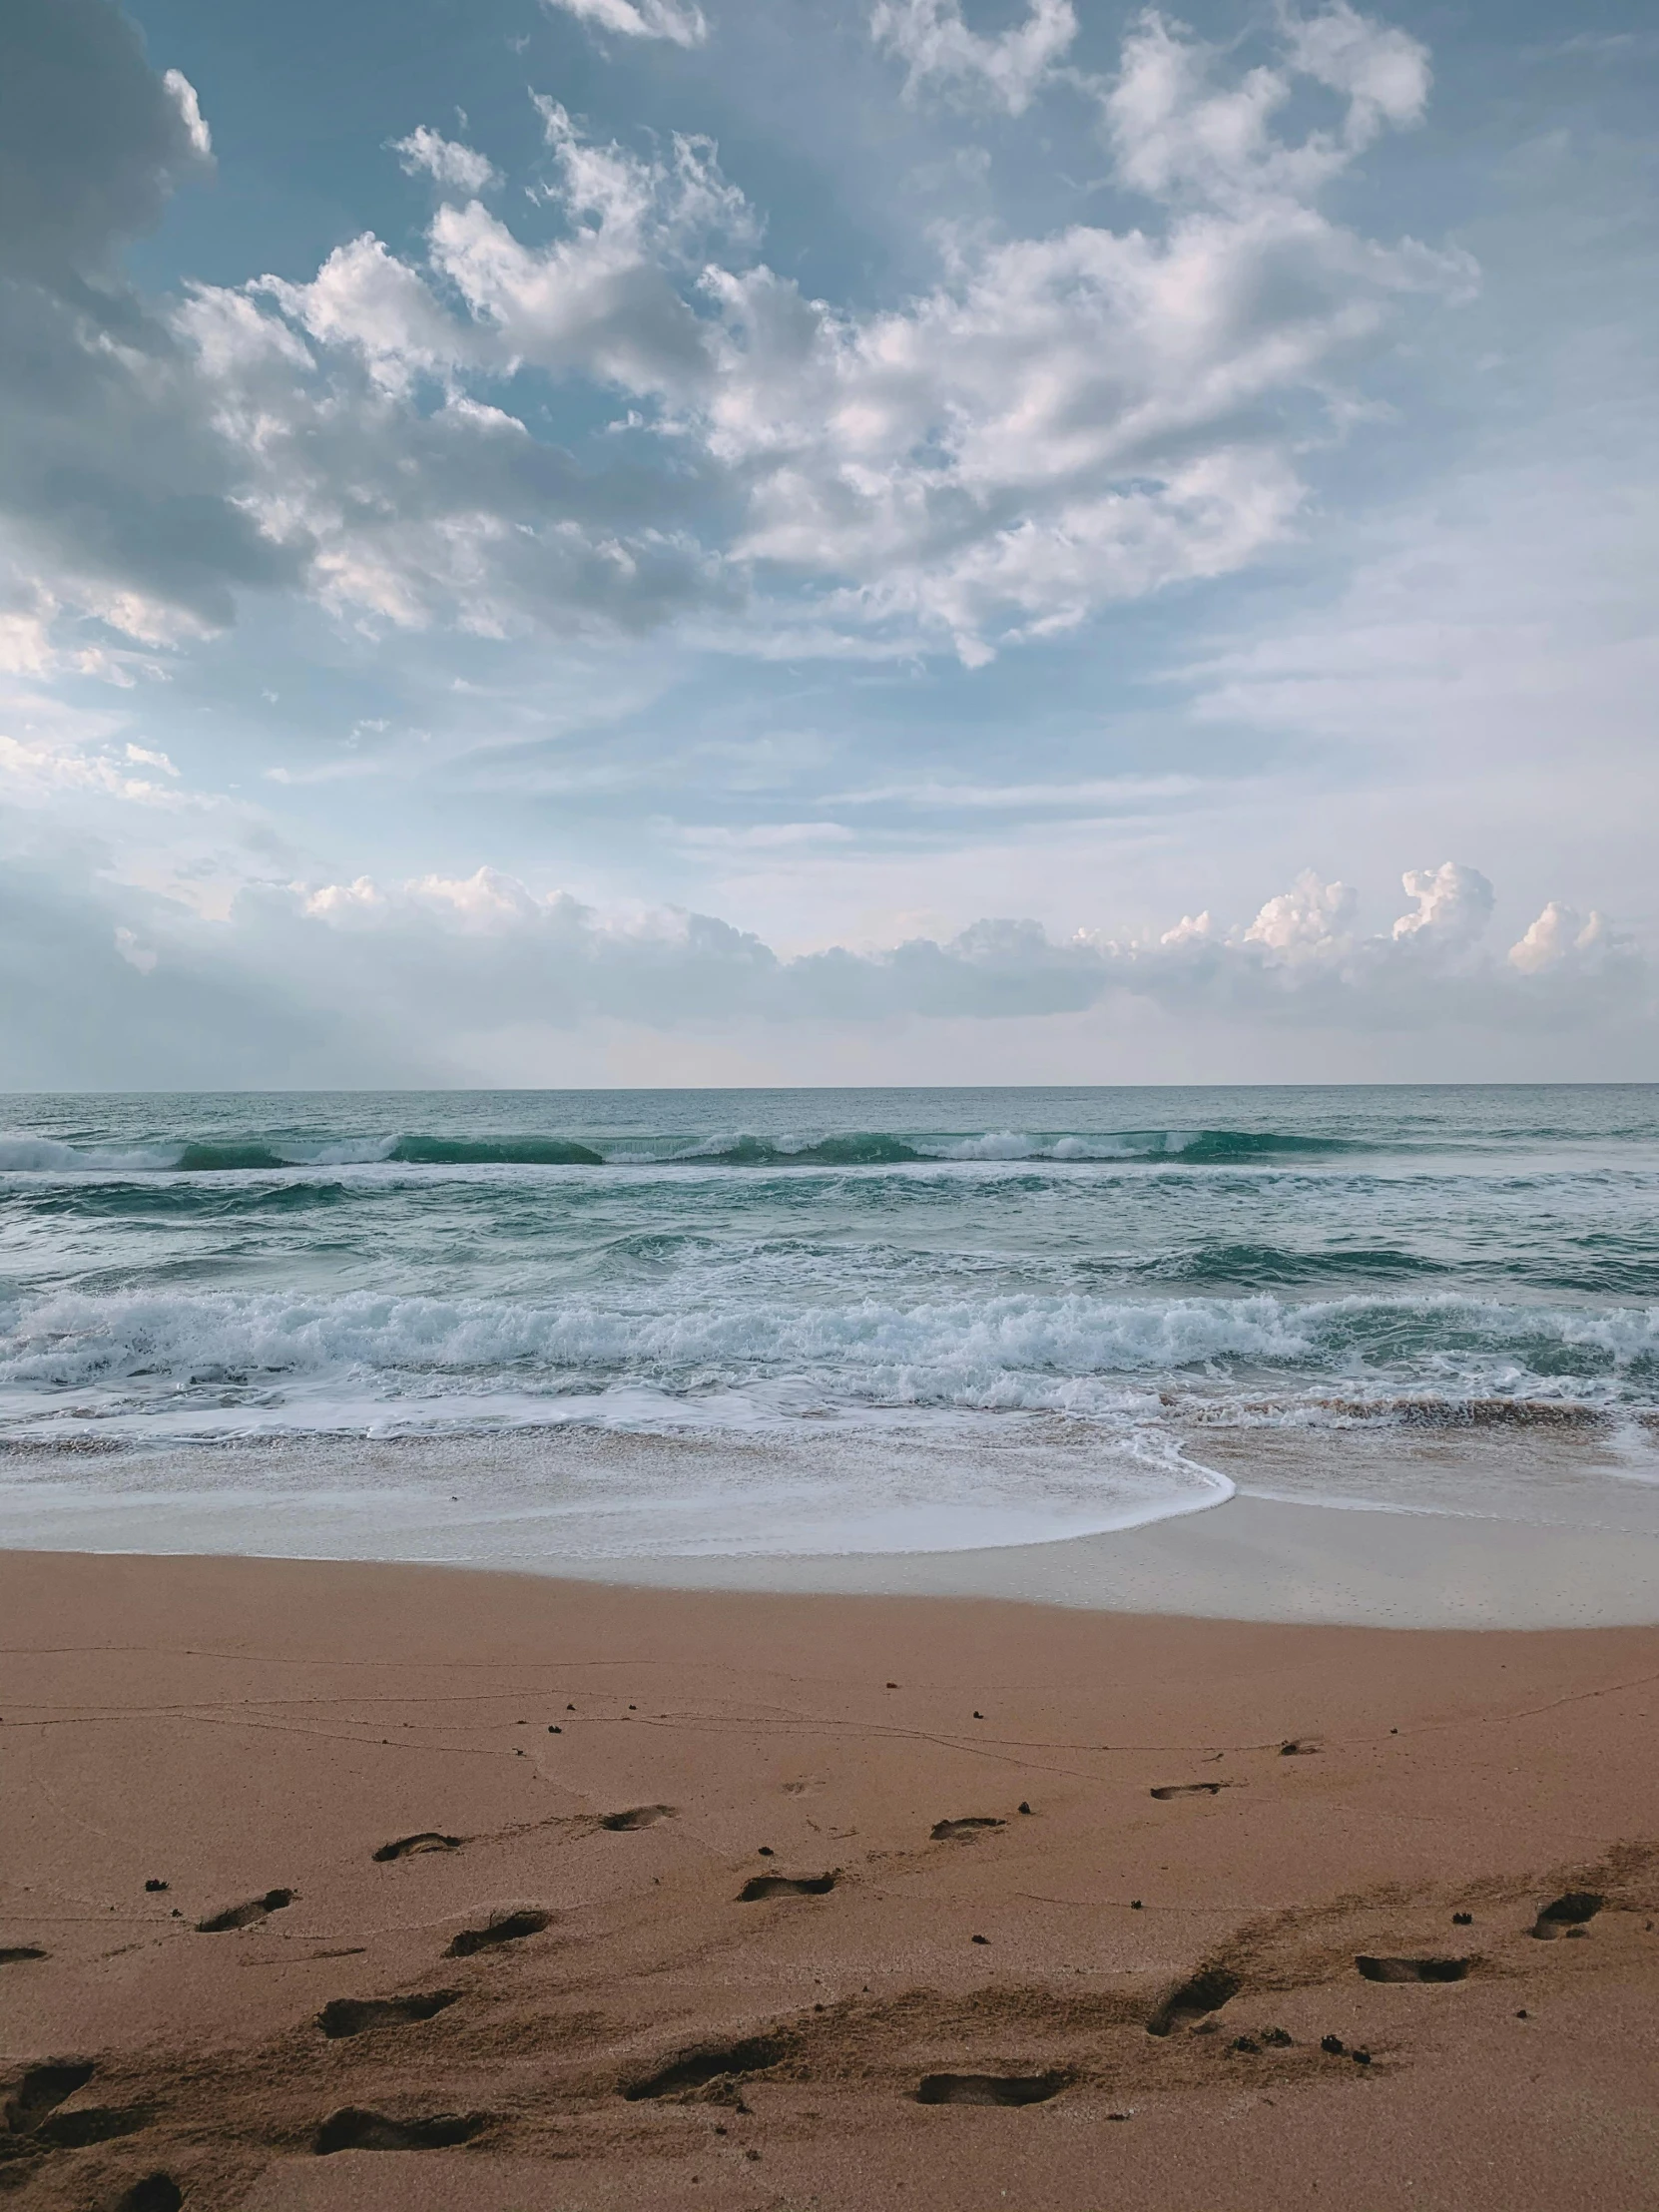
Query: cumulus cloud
point(485, 950)
point(937, 47)
point(606, 299)
point(453, 978)
point(678, 21)
point(1563, 940)
point(1309, 923)
point(1454, 905)
point(1059, 423)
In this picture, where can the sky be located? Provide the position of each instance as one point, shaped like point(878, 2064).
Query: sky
point(564, 542)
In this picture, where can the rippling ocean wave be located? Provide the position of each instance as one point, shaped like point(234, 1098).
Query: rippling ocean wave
point(881, 1316)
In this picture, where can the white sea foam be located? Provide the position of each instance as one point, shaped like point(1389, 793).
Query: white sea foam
point(735, 1484)
point(1066, 1353)
point(26, 1155)
point(349, 1152)
point(1011, 1144)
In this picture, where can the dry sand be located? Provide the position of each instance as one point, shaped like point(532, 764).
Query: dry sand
point(253, 1734)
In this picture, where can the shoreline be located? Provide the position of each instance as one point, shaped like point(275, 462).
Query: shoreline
point(1244, 1559)
point(1021, 1831)
point(1249, 1559)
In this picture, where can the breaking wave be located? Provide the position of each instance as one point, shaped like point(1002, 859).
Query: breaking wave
point(1085, 1357)
point(25, 1154)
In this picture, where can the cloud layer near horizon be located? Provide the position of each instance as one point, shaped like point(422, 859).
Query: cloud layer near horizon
point(474, 966)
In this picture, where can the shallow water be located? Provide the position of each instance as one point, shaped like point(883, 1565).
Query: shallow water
point(833, 1320)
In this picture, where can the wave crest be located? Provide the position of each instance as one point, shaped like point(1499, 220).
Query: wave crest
point(23, 1153)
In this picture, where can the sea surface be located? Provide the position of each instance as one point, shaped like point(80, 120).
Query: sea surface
point(600, 1325)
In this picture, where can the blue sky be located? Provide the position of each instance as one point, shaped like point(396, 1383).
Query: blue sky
point(606, 540)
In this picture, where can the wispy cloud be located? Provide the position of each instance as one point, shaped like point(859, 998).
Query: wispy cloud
point(678, 21)
point(938, 49)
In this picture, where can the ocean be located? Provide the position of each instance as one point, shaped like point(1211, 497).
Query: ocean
point(520, 1327)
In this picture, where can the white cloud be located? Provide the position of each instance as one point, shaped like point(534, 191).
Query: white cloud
point(1059, 423)
point(1067, 421)
point(682, 23)
point(1309, 922)
point(1454, 905)
point(1381, 71)
point(936, 45)
point(1082, 418)
point(606, 301)
point(445, 162)
point(480, 978)
point(362, 298)
point(486, 953)
point(1180, 131)
point(1560, 939)
point(182, 95)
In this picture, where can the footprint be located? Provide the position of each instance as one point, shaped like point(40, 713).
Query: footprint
point(508, 1927)
point(43, 2089)
point(715, 2063)
point(14, 1954)
point(247, 1916)
point(1567, 1912)
point(786, 1886)
point(1189, 1789)
point(957, 2088)
point(94, 2124)
point(637, 1816)
point(407, 1845)
point(1206, 1992)
point(155, 2193)
point(353, 2128)
point(1413, 1969)
point(971, 1827)
point(351, 2015)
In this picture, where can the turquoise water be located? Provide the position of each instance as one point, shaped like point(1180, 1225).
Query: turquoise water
point(865, 1319)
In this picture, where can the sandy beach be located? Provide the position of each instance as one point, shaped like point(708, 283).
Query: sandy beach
point(539, 1894)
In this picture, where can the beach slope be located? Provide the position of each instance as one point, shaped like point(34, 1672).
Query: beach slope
point(361, 1887)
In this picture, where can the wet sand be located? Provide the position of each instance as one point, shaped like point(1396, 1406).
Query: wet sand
point(577, 1983)
point(468, 1503)
point(1257, 1559)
